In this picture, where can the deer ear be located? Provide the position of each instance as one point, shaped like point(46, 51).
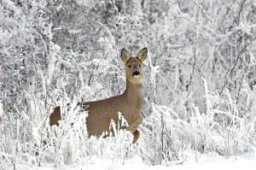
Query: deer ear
point(143, 54)
point(125, 55)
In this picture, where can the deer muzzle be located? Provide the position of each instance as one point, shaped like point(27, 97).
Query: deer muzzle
point(136, 74)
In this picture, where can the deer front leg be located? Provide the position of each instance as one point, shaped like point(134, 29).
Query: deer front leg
point(55, 116)
point(136, 135)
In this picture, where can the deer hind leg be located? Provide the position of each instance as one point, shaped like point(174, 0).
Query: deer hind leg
point(136, 135)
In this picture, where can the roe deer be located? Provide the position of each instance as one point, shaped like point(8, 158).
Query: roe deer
point(100, 113)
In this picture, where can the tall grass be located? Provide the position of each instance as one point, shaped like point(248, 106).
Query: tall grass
point(199, 78)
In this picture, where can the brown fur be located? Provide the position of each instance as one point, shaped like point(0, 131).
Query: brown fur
point(129, 103)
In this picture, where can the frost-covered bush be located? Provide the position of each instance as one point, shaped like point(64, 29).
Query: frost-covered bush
point(199, 77)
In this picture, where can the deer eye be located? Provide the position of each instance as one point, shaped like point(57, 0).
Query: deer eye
point(139, 65)
point(129, 66)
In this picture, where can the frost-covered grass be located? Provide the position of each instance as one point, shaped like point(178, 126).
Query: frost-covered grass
point(165, 139)
point(199, 80)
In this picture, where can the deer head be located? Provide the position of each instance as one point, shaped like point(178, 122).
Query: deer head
point(134, 65)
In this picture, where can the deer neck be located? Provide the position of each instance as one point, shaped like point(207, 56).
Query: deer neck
point(134, 94)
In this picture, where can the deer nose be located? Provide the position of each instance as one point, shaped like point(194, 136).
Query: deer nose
point(136, 73)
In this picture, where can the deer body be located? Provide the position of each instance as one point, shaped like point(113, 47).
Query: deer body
point(100, 113)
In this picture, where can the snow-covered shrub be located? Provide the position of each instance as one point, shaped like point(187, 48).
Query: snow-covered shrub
point(199, 77)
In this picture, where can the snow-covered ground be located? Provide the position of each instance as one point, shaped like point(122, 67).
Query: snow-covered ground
point(210, 161)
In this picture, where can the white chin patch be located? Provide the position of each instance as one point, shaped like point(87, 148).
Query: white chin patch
point(136, 76)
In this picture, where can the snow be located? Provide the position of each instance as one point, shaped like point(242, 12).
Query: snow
point(199, 83)
point(210, 161)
